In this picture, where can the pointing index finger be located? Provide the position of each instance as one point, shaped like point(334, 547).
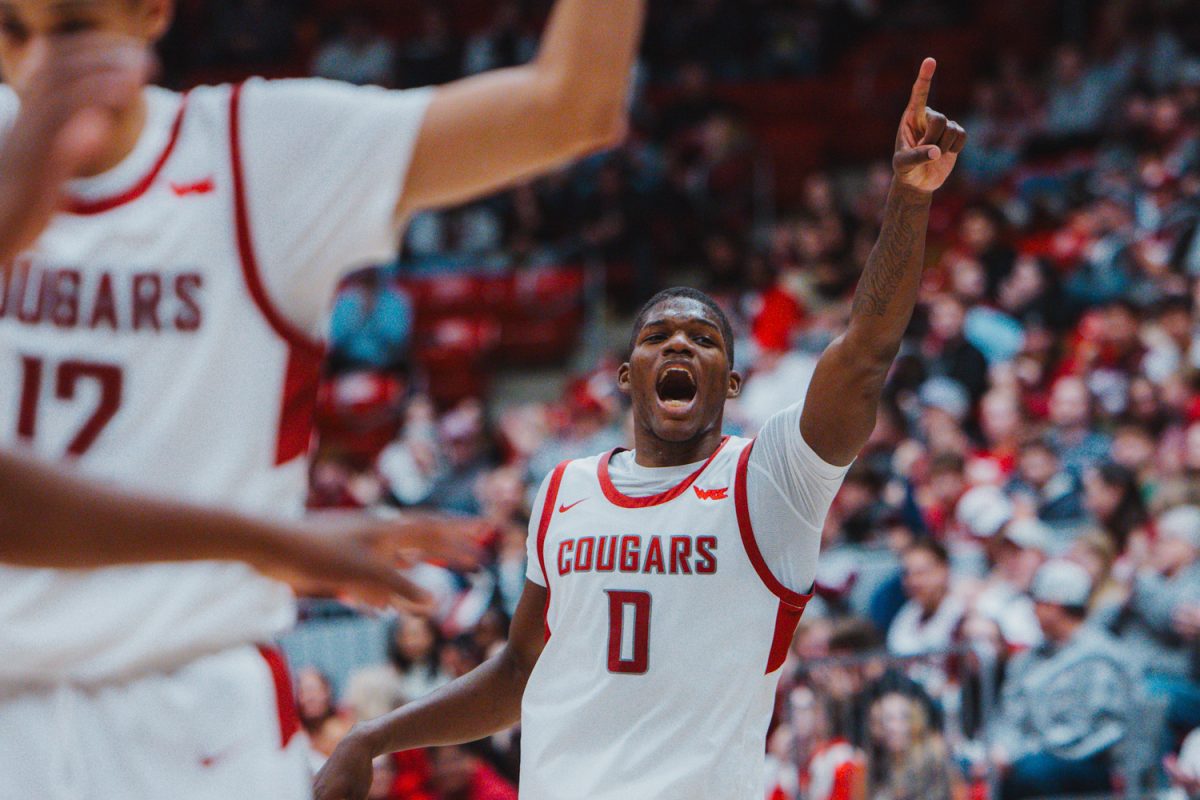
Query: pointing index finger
point(920, 91)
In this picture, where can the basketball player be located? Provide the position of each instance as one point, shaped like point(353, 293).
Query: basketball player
point(665, 584)
point(160, 333)
point(44, 510)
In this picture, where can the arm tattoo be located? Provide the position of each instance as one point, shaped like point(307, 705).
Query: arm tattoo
point(899, 250)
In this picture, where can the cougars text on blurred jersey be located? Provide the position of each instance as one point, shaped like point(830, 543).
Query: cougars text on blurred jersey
point(162, 334)
point(666, 632)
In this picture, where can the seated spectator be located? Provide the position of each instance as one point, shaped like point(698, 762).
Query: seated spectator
point(414, 651)
point(1112, 496)
point(930, 618)
point(947, 350)
point(906, 758)
point(459, 773)
point(318, 712)
point(1042, 487)
point(1064, 703)
point(371, 325)
point(358, 55)
point(1072, 432)
point(465, 445)
point(1016, 553)
point(1160, 623)
point(806, 760)
point(1096, 553)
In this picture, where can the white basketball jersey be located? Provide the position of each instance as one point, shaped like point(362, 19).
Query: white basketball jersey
point(137, 339)
point(666, 631)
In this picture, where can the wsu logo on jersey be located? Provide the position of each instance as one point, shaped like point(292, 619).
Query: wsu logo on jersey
point(102, 299)
point(651, 555)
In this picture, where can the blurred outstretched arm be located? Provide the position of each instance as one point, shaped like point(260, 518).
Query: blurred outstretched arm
point(51, 518)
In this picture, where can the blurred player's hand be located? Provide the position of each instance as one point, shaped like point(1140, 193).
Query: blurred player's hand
point(927, 144)
point(356, 557)
point(347, 774)
point(70, 86)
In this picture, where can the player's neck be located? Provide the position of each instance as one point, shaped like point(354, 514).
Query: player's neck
point(127, 129)
point(651, 451)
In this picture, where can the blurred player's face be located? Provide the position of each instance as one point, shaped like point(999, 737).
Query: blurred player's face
point(679, 374)
point(23, 23)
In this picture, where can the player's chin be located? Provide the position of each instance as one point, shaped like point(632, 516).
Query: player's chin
point(676, 427)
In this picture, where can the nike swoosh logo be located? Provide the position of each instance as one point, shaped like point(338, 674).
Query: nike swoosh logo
point(565, 509)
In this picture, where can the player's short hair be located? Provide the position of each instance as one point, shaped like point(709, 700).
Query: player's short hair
point(687, 293)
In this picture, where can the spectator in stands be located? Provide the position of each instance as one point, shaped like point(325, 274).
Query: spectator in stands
point(1065, 703)
point(1113, 497)
point(1016, 554)
point(1043, 488)
point(1080, 95)
point(358, 54)
point(805, 758)
point(906, 757)
point(1160, 623)
point(459, 773)
point(318, 712)
point(1096, 553)
point(928, 620)
point(372, 323)
point(947, 350)
point(414, 651)
point(463, 438)
point(1072, 432)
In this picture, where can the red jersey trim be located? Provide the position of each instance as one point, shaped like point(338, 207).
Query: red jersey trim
point(614, 495)
point(285, 702)
point(303, 371)
point(82, 207)
point(791, 604)
point(245, 240)
point(543, 528)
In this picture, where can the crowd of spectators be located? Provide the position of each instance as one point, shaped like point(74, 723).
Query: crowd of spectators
point(1030, 500)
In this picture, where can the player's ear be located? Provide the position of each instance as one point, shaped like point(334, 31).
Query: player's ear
point(623, 378)
point(735, 384)
point(155, 17)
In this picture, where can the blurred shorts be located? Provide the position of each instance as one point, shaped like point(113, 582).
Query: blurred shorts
point(224, 726)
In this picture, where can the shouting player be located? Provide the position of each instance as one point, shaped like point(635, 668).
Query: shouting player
point(665, 584)
point(160, 332)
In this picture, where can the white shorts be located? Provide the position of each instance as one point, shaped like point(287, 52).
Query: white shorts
point(224, 727)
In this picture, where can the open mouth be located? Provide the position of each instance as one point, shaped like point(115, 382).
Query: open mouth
point(676, 387)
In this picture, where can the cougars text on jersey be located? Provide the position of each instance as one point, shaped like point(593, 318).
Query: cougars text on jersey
point(653, 555)
point(101, 299)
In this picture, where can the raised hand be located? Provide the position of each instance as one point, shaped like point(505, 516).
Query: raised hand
point(927, 144)
point(69, 88)
point(357, 558)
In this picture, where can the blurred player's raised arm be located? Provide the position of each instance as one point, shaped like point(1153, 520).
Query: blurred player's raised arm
point(839, 413)
point(54, 519)
point(484, 132)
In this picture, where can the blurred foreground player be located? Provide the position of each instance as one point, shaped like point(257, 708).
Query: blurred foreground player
point(160, 332)
point(665, 584)
point(51, 518)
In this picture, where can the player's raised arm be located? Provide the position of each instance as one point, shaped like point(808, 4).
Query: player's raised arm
point(843, 398)
point(484, 132)
point(50, 518)
point(482, 702)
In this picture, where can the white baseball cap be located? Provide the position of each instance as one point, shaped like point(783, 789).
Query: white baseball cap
point(1183, 523)
point(1029, 534)
point(983, 511)
point(1062, 583)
